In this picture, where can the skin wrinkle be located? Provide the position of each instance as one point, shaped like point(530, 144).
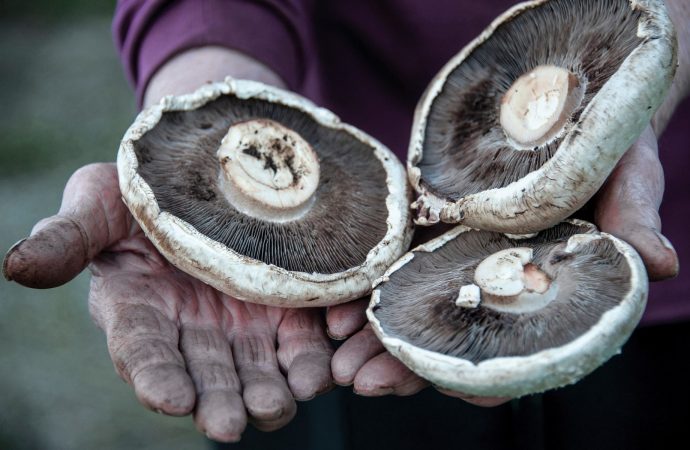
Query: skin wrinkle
point(253, 350)
point(200, 345)
point(134, 288)
point(251, 376)
point(129, 321)
point(155, 358)
point(106, 213)
point(304, 353)
point(210, 377)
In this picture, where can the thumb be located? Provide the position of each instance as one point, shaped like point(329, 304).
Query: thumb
point(628, 204)
point(91, 218)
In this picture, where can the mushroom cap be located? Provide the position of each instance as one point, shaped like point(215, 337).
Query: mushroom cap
point(601, 291)
point(314, 260)
point(464, 165)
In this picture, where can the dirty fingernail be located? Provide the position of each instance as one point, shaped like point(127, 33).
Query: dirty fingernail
point(334, 336)
point(374, 392)
point(8, 255)
point(664, 241)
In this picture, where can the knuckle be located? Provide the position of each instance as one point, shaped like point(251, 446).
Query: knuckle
point(211, 376)
point(133, 356)
point(253, 350)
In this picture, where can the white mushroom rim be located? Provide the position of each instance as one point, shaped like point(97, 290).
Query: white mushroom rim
point(538, 372)
point(574, 168)
point(238, 275)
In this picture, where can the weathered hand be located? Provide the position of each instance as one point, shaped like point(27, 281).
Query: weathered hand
point(182, 345)
point(627, 207)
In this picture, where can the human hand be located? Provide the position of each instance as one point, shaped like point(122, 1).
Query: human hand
point(627, 207)
point(182, 345)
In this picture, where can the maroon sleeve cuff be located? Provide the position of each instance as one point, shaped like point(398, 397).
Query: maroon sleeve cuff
point(149, 32)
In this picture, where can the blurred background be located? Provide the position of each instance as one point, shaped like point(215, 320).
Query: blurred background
point(66, 104)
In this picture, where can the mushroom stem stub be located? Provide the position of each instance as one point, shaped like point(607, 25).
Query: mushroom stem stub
point(510, 282)
point(267, 170)
point(536, 107)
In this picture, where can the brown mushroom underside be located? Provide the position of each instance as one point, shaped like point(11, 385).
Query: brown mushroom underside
point(417, 303)
point(347, 219)
point(590, 38)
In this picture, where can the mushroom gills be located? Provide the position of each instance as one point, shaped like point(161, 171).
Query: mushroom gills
point(264, 196)
point(522, 126)
point(553, 307)
point(332, 230)
point(476, 122)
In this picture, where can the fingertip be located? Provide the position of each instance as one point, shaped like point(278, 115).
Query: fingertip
point(51, 257)
point(221, 416)
point(385, 375)
point(310, 375)
point(7, 264)
point(658, 255)
point(353, 355)
point(335, 336)
point(666, 264)
point(484, 402)
point(165, 388)
point(346, 319)
point(269, 403)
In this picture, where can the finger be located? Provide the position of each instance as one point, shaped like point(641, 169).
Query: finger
point(354, 354)
point(305, 352)
point(143, 345)
point(91, 217)
point(385, 375)
point(266, 395)
point(219, 411)
point(344, 320)
point(628, 205)
point(486, 402)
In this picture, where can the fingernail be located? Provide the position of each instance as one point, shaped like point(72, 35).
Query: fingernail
point(8, 255)
point(374, 392)
point(667, 244)
point(334, 336)
point(664, 241)
point(343, 383)
point(158, 410)
point(328, 388)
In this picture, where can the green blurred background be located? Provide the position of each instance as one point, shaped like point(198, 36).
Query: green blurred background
point(66, 104)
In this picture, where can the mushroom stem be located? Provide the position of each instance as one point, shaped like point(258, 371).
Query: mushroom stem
point(267, 170)
point(510, 282)
point(536, 107)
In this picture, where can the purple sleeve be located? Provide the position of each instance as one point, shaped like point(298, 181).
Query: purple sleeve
point(149, 32)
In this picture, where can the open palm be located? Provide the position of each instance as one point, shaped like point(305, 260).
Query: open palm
point(181, 344)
